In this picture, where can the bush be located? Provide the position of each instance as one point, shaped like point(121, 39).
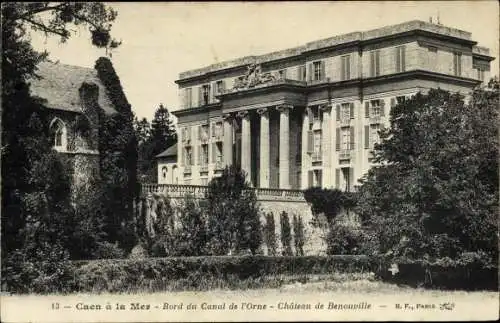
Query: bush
point(344, 240)
point(270, 234)
point(286, 234)
point(107, 250)
point(299, 235)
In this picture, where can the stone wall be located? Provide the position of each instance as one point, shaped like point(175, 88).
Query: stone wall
point(314, 242)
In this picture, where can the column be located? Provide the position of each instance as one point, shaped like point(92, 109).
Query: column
point(284, 146)
point(326, 146)
point(246, 148)
point(228, 139)
point(264, 148)
point(305, 162)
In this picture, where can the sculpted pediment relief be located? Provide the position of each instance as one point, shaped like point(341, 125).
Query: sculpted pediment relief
point(252, 78)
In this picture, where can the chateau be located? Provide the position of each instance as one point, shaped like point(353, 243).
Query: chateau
point(310, 115)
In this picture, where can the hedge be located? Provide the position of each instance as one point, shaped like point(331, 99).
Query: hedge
point(200, 273)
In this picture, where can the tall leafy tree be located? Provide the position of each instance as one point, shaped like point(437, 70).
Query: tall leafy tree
point(118, 159)
point(233, 221)
point(37, 219)
point(435, 194)
point(158, 136)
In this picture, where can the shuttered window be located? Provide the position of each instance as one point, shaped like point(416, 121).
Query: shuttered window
point(188, 98)
point(337, 139)
point(375, 63)
point(457, 64)
point(310, 178)
point(367, 137)
point(337, 178)
point(302, 73)
point(351, 139)
point(400, 53)
point(345, 67)
point(318, 70)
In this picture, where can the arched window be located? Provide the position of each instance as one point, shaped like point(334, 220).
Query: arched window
point(58, 134)
point(164, 172)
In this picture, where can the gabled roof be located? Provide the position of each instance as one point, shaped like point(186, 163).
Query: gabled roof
point(170, 152)
point(59, 85)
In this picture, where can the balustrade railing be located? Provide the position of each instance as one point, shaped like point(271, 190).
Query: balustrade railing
point(200, 191)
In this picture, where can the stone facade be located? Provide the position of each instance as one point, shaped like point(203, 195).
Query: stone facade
point(318, 106)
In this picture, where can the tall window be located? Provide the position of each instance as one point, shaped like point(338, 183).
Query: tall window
point(400, 59)
point(346, 139)
point(375, 108)
point(164, 172)
point(218, 153)
point(302, 73)
point(457, 64)
point(346, 67)
point(189, 98)
point(58, 130)
point(480, 74)
point(219, 87)
point(317, 142)
point(375, 63)
point(345, 111)
point(206, 94)
point(317, 71)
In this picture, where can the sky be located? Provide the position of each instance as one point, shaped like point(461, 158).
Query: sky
point(162, 39)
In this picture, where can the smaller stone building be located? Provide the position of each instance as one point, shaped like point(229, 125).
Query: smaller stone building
point(75, 99)
point(167, 166)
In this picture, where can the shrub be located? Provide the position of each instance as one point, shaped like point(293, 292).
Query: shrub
point(270, 234)
point(299, 235)
point(344, 240)
point(107, 250)
point(286, 234)
point(190, 238)
point(233, 222)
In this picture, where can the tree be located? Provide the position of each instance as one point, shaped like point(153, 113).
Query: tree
point(154, 139)
point(37, 217)
point(117, 160)
point(286, 234)
point(299, 234)
point(270, 234)
point(435, 194)
point(191, 236)
point(233, 221)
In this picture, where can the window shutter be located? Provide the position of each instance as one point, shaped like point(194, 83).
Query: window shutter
point(377, 63)
point(398, 59)
point(310, 141)
point(184, 97)
point(351, 106)
point(372, 64)
point(302, 70)
point(393, 102)
point(338, 112)
point(309, 178)
point(367, 109)
point(214, 152)
point(348, 68)
point(337, 178)
point(367, 137)
point(320, 182)
point(214, 90)
point(200, 96)
point(199, 132)
point(310, 115)
point(352, 138)
point(310, 72)
point(213, 129)
point(337, 139)
point(403, 54)
point(322, 76)
point(382, 107)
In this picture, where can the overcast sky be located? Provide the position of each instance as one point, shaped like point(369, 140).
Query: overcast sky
point(160, 40)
